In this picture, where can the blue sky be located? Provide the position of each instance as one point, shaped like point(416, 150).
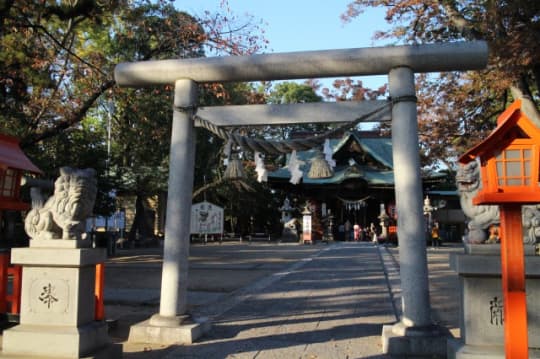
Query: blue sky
point(304, 25)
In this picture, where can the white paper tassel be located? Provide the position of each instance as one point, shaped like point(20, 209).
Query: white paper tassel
point(262, 173)
point(327, 150)
point(294, 168)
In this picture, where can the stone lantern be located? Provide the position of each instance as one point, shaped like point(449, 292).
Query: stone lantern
point(286, 211)
point(383, 222)
point(509, 159)
point(306, 226)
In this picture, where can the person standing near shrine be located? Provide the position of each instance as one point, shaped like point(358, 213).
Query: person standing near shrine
point(373, 233)
point(435, 235)
point(341, 232)
point(348, 230)
point(493, 238)
point(356, 228)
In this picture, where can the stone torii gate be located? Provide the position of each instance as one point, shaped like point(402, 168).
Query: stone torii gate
point(415, 333)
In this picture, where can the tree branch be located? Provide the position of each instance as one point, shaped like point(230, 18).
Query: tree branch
point(463, 25)
point(68, 50)
point(75, 117)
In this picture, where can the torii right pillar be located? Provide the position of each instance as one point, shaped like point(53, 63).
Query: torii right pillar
point(415, 333)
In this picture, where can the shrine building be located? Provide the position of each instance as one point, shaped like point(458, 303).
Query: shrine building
point(362, 181)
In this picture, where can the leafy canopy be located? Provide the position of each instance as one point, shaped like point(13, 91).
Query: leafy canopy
point(458, 109)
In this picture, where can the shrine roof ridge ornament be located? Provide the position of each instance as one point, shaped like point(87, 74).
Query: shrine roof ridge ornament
point(437, 57)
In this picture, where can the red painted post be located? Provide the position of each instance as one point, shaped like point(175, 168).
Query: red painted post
point(15, 297)
point(513, 282)
point(99, 313)
point(4, 263)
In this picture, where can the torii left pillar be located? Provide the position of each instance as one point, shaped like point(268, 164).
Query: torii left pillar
point(415, 333)
point(172, 325)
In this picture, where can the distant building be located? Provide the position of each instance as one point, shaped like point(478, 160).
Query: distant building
point(363, 179)
point(14, 165)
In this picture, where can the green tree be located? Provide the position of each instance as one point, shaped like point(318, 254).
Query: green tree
point(57, 58)
point(57, 90)
point(47, 82)
point(142, 117)
point(50, 78)
point(292, 92)
point(456, 109)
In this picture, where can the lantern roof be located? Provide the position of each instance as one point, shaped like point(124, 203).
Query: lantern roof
point(12, 156)
point(519, 120)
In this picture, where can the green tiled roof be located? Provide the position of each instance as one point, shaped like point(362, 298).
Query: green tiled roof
point(379, 148)
point(341, 173)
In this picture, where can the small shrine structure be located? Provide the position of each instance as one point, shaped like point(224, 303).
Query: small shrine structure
point(13, 164)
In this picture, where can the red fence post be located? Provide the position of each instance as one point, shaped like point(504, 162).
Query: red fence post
point(99, 313)
point(4, 263)
point(15, 297)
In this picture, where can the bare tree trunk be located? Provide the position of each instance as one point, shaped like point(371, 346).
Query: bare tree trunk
point(141, 224)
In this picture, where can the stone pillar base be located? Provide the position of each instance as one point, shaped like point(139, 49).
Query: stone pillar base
point(185, 333)
point(458, 350)
point(415, 341)
point(86, 341)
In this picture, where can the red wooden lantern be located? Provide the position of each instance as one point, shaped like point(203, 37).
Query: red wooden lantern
point(509, 159)
point(510, 162)
point(13, 163)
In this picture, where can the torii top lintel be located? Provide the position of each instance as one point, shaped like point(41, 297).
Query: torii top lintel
point(439, 57)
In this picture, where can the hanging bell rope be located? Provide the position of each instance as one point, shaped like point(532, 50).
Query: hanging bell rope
point(319, 167)
point(285, 146)
point(234, 169)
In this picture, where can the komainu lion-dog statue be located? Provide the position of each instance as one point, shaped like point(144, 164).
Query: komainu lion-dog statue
point(481, 217)
point(64, 214)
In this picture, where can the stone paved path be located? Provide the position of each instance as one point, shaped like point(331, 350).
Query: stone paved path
point(332, 306)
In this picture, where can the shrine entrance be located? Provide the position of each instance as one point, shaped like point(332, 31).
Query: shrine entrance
point(415, 331)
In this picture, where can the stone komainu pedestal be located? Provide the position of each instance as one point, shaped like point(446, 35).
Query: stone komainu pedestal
point(57, 304)
point(482, 319)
